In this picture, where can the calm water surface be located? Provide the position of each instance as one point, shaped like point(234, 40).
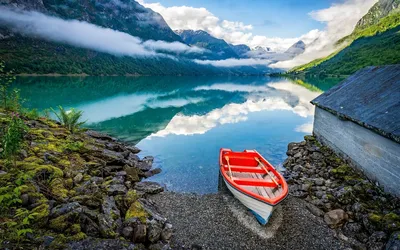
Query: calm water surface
point(184, 121)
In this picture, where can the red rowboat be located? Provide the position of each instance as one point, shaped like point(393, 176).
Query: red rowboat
point(253, 181)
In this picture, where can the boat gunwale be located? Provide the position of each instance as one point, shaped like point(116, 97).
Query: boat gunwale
point(266, 200)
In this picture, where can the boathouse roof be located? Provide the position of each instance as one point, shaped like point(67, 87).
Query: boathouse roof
point(370, 97)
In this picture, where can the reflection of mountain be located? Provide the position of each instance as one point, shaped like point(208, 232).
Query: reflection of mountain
point(133, 128)
point(134, 108)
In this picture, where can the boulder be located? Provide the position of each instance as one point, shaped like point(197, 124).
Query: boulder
point(152, 172)
point(149, 187)
point(166, 233)
point(314, 210)
point(335, 218)
point(133, 149)
point(98, 135)
point(139, 233)
point(110, 218)
point(127, 232)
point(117, 189)
point(154, 230)
point(66, 208)
point(78, 178)
point(132, 173)
point(144, 165)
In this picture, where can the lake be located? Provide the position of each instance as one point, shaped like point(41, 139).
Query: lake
point(184, 121)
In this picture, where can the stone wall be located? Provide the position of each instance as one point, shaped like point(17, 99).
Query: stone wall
point(376, 156)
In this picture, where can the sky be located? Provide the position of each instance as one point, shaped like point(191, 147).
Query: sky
point(282, 18)
point(276, 24)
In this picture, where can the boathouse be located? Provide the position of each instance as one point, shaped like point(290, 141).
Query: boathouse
point(360, 119)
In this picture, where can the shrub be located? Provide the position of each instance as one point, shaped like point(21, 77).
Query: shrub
point(13, 137)
point(69, 119)
point(6, 78)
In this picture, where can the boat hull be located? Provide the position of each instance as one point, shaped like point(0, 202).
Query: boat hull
point(260, 209)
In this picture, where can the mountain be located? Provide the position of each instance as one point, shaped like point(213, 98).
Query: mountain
point(123, 15)
point(380, 10)
point(296, 49)
point(241, 50)
point(262, 49)
point(34, 55)
point(374, 41)
point(218, 48)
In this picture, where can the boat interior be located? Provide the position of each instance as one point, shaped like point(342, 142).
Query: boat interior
point(252, 173)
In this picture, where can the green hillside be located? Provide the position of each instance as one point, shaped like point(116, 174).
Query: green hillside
point(373, 42)
point(381, 49)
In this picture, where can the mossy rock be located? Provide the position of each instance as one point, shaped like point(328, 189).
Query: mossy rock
point(130, 197)
point(136, 210)
point(58, 189)
point(375, 218)
point(310, 138)
point(34, 159)
point(34, 168)
point(342, 171)
point(391, 222)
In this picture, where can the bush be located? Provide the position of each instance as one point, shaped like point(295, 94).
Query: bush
point(13, 137)
point(69, 119)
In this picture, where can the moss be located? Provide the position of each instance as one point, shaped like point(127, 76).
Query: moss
point(136, 211)
point(77, 237)
point(60, 223)
point(309, 138)
point(391, 221)
point(69, 183)
point(34, 159)
point(64, 163)
point(375, 218)
point(34, 168)
point(58, 242)
point(342, 170)
point(58, 189)
point(130, 197)
point(74, 229)
point(42, 211)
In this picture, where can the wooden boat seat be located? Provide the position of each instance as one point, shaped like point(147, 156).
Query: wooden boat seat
point(269, 192)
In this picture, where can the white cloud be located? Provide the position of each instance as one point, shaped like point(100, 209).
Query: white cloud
point(340, 19)
point(305, 128)
point(230, 87)
point(238, 112)
point(232, 62)
point(86, 35)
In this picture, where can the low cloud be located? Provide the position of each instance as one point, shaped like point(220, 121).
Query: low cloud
point(340, 20)
point(86, 35)
point(231, 62)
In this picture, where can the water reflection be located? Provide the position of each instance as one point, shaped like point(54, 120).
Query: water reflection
point(183, 121)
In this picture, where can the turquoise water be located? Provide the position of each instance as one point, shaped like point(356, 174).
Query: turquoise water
point(184, 121)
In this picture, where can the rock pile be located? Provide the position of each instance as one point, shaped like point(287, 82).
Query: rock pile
point(79, 191)
point(358, 209)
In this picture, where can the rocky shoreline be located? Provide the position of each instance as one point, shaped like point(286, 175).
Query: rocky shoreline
point(78, 191)
point(361, 213)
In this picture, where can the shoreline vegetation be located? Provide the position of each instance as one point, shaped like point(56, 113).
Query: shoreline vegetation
point(76, 189)
point(64, 187)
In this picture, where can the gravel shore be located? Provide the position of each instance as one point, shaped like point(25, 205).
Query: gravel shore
point(219, 221)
